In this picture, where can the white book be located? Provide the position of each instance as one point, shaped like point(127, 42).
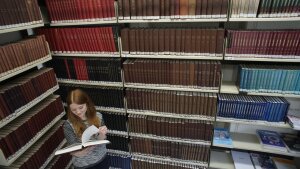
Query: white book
point(85, 141)
point(242, 160)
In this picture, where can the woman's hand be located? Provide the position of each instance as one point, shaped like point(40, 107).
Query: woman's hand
point(83, 152)
point(102, 132)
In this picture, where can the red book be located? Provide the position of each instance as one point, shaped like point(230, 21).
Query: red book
point(105, 9)
point(111, 33)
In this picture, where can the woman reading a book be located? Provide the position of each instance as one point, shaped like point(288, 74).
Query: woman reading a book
point(81, 114)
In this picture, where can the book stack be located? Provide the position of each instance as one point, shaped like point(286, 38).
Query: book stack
point(193, 74)
point(280, 8)
point(244, 9)
point(175, 102)
point(271, 140)
point(76, 10)
point(271, 109)
point(19, 13)
point(222, 137)
point(269, 79)
point(102, 96)
point(192, 42)
point(88, 69)
point(263, 44)
point(191, 152)
point(27, 126)
point(96, 40)
point(170, 127)
point(171, 9)
point(22, 53)
point(24, 89)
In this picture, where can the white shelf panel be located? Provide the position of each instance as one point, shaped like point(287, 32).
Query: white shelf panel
point(82, 22)
point(116, 132)
point(180, 56)
point(8, 161)
point(221, 160)
point(254, 122)
point(118, 152)
point(171, 20)
point(251, 142)
point(171, 115)
point(172, 139)
point(26, 107)
point(89, 82)
point(52, 155)
point(18, 70)
point(296, 60)
point(74, 54)
point(168, 159)
point(264, 19)
point(18, 27)
point(169, 87)
point(111, 109)
point(229, 88)
point(273, 94)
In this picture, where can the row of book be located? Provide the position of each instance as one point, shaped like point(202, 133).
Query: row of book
point(14, 55)
point(273, 44)
point(17, 134)
point(192, 103)
point(171, 9)
point(165, 41)
point(119, 161)
point(25, 89)
point(19, 12)
point(146, 163)
point(271, 109)
point(247, 160)
point(170, 127)
point(197, 74)
point(115, 121)
point(60, 162)
point(93, 69)
point(39, 152)
point(101, 96)
point(118, 142)
point(95, 40)
point(274, 79)
point(264, 8)
point(74, 10)
point(170, 149)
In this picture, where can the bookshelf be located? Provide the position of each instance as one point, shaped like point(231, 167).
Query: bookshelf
point(19, 27)
point(82, 22)
point(89, 82)
point(257, 59)
point(279, 19)
point(179, 56)
point(99, 55)
point(115, 132)
point(172, 20)
point(52, 155)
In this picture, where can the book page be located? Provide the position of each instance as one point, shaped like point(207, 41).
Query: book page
point(87, 134)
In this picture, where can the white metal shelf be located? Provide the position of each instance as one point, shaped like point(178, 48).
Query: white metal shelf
point(169, 87)
point(116, 132)
point(171, 115)
point(18, 70)
point(254, 122)
point(221, 160)
point(172, 139)
point(8, 161)
point(229, 88)
point(179, 56)
point(168, 159)
point(76, 54)
point(110, 109)
point(21, 26)
point(264, 19)
point(26, 107)
point(90, 82)
point(253, 59)
point(52, 155)
point(118, 152)
point(172, 20)
point(82, 22)
point(251, 142)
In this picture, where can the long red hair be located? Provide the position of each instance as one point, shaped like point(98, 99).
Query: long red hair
point(78, 96)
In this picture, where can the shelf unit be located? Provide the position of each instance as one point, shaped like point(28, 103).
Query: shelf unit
point(22, 26)
point(172, 20)
point(257, 59)
point(52, 155)
point(264, 19)
point(8, 161)
point(179, 56)
point(116, 132)
point(26, 107)
point(89, 82)
point(118, 152)
point(96, 55)
point(82, 22)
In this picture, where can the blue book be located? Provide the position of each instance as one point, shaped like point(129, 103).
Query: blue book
point(222, 137)
point(271, 140)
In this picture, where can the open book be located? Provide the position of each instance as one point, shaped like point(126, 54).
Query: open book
point(85, 141)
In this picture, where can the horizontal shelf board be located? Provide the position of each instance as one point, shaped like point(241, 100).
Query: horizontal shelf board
point(18, 70)
point(118, 152)
point(82, 22)
point(251, 142)
point(26, 107)
point(229, 88)
point(100, 55)
point(11, 159)
point(221, 160)
point(52, 155)
point(173, 57)
point(169, 87)
point(254, 122)
point(272, 94)
point(18, 27)
point(172, 139)
point(264, 19)
point(261, 59)
point(171, 115)
point(168, 159)
point(111, 109)
point(170, 20)
point(116, 132)
point(89, 82)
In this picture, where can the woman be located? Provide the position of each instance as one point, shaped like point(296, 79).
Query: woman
point(81, 114)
